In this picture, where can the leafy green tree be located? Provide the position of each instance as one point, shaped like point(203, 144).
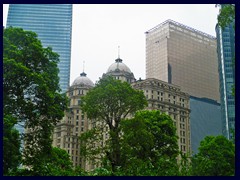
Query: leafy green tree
point(227, 15)
point(109, 102)
point(58, 164)
point(216, 157)
point(11, 145)
point(149, 143)
point(31, 90)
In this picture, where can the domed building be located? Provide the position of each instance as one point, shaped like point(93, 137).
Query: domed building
point(120, 71)
point(67, 131)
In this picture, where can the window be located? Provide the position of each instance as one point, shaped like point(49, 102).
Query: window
point(79, 101)
point(77, 117)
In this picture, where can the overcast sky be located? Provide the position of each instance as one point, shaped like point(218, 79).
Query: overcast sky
point(98, 30)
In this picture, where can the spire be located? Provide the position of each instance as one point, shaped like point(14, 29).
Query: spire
point(83, 65)
point(83, 74)
point(118, 52)
point(118, 59)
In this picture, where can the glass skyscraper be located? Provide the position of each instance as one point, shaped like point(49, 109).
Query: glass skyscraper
point(53, 24)
point(226, 69)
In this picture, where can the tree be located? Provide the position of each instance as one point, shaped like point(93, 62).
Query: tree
point(58, 164)
point(11, 145)
point(149, 143)
point(227, 15)
point(31, 90)
point(216, 157)
point(109, 102)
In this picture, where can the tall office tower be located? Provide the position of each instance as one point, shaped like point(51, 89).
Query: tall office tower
point(205, 120)
point(183, 56)
point(226, 69)
point(53, 24)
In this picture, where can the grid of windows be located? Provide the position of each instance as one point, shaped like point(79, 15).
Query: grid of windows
point(183, 56)
point(53, 24)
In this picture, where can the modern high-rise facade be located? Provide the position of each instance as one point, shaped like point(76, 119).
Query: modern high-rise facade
point(53, 24)
point(205, 120)
point(183, 56)
point(226, 69)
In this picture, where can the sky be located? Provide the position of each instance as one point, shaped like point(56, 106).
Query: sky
point(98, 30)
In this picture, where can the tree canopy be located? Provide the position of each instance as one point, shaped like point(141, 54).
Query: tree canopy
point(149, 144)
point(11, 145)
point(31, 92)
point(216, 157)
point(109, 102)
point(227, 15)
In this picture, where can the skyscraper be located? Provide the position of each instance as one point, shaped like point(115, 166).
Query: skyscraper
point(53, 24)
point(183, 56)
point(205, 120)
point(226, 69)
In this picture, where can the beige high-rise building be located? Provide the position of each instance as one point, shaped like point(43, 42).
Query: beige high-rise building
point(171, 100)
point(183, 56)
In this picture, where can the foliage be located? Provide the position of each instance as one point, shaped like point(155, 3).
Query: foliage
point(31, 90)
point(91, 147)
point(58, 164)
point(216, 157)
point(227, 15)
point(108, 103)
point(149, 144)
point(11, 145)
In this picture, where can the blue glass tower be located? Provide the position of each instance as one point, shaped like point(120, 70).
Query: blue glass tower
point(53, 24)
point(226, 69)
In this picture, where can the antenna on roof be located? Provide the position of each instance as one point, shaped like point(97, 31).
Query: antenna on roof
point(83, 65)
point(118, 52)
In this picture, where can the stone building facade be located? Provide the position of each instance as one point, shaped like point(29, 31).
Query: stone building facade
point(171, 100)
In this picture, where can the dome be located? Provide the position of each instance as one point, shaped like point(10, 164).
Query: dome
point(118, 65)
point(83, 80)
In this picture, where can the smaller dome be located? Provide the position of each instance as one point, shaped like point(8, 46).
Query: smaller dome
point(118, 65)
point(83, 80)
